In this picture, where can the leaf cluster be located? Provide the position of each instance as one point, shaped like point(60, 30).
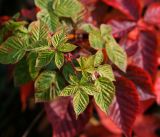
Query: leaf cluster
point(40, 53)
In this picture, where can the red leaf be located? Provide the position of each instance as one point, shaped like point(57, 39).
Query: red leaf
point(131, 8)
point(88, 2)
point(26, 91)
point(121, 28)
point(142, 80)
point(130, 46)
point(146, 2)
point(124, 109)
point(61, 115)
point(145, 105)
point(157, 90)
point(114, 14)
point(107, 122)
point(152, 14)
point(146, 126)
point(98, 131)
point(29, 14)
point(145, 56)
point(4, 19)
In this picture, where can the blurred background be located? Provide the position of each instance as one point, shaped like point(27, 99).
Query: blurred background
point(15, 122)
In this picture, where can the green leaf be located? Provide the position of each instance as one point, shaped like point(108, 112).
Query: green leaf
point(59, 38)
point(12, 50)
point(83, 85)
point(88, 27)
point(46, 96)
point(39, 36)
point(98, 58)
point(21, 32)
point(3, 31)
point(31, 59)
point(106, 71)
point(74, 79)
point(38, 45)
point(67, 71)
point(80, 102)
point(59, 59)
point(89, 89)
point(44, 58)
point(42, 3)
point(38, 30)
point(79, 89)
point(49, 18)
point(67, 8)
point(116, 54)
point(21, 73)
point(45, 86)
point(105, 30)
point(106, 94)
point(14, 27)
point(86, 64)
point(45, 80)
point(95, 39)
point(69, 90)
point(67, 47)
point(16, 16)
point(60, 83)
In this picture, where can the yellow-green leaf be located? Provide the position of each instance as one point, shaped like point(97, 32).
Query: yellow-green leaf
point(67, 47)
point(95, 39)
point(88, 27)
point(38, 30)
point(31, 59)
point(116, 54)
point(59, 38)
point(49, 18)
point(59, 59)
point(80, 102)
point(12, 50)
point(67, 8)
point(106, 93)
point(98, 58)
point(89, 89)
point(41, 3)
point(69, 90)
point(45, 86)
point(106, 71)
point(44, 58)
point(105, 30)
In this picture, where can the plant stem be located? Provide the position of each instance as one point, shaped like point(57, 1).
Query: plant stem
point(26, 133)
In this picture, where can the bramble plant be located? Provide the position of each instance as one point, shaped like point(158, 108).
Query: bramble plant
point(41, 48)
point(50, 52)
